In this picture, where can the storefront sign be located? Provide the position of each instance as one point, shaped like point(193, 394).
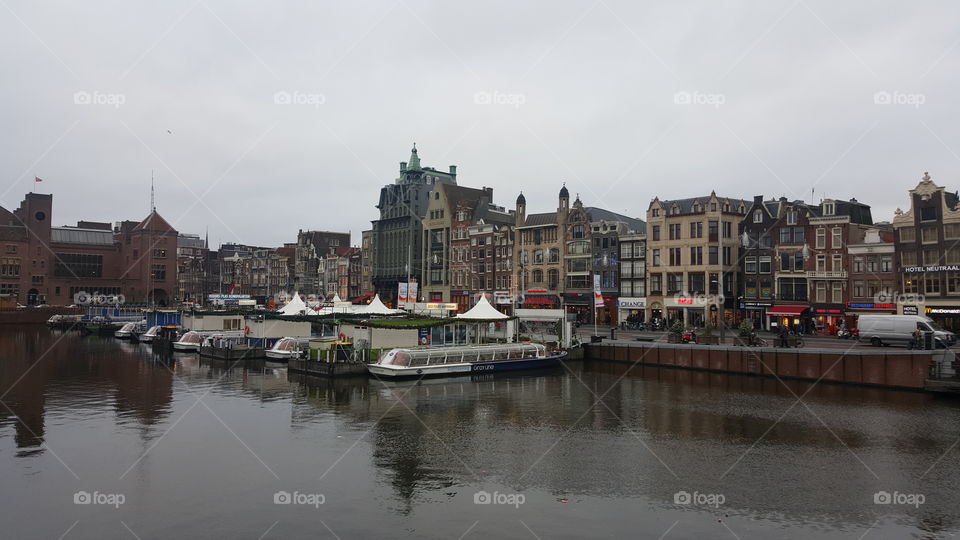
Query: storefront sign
point(910, 310)
point(946, 268)
point(827, 309)
point(943, 310)
point(441, 305)
point(853, 305)
point(628, 302)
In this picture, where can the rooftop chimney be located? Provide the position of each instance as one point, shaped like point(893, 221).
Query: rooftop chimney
point(453, 170)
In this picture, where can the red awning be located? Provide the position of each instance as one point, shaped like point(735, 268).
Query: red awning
point(540, 300)
point(786, 311)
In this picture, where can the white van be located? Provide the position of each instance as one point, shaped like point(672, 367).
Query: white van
point(898, 329)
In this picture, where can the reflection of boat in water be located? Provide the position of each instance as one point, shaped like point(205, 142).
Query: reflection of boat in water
point(125, 331)
point(462, 360)
point(288, 347)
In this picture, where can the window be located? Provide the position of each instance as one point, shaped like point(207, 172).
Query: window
point(656, 257)
point(674, 231)
point(750, 265)
point(765, 264)
point(758, 216)
point(11, 249)
point(821, 291)
point(656, 212)
point(786, 235)
point(158, 272)
point(538, 256)
point(928, 235)
point(712, 255)
point(727, 230)
point(674, 257)
point(713, 207)
point(908, 258)
point(951, 230)
point(554, 256)
point(578, 248)
point(908, 234)
point(928, 213)
point(578, 265)
point(656, 284)
point(656, 233)
point(785, 262)
point(931, 256)
point(829, 208)
point(727, 259)
point(953, 282)
point(696, 256)
point(931, 284)
point(78, 265)
point(697, 283)
point(837, 263)
point(553, 278)
point(798, 261)
point(886, 264)
point(910, 285)
point(626, 250)
point(696, 229)
point(835, 240)
point(872, 264)
point(538, 276)
point(10, 267)
point(821, 238)
point(791, 217)
point(837, 292)
point(578, 231)
point(858, 264)
point(713, 230)
point(674, 283)
point(821, 263)
point(859, 290)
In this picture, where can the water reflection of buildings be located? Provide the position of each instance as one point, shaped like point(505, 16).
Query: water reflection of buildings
point(84, 375)
point(530, 433)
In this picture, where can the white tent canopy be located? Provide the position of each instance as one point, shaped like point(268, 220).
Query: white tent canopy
point(483, 311)
point(295, 306)
point(376, 307)
point(336, 299)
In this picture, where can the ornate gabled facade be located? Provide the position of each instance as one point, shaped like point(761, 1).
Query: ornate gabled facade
point(927, 238)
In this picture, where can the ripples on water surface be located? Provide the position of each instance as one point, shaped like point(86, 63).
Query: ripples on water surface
point(198, 450)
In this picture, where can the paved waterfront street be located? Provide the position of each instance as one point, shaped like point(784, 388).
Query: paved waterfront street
point(103, 436)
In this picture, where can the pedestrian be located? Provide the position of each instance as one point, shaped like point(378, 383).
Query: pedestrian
point(784, 333)
point(915, 341)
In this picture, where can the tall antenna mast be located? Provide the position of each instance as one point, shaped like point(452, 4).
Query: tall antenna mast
point(153, 206)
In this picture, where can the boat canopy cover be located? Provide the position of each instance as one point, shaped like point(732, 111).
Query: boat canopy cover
point(483, 311)
point(455, 355)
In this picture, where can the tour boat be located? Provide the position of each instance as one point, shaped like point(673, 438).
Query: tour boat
point(125, 331)
point(148, 336)
point(425, 361)
point(288, 347)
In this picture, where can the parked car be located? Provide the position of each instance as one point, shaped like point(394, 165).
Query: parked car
point(898, 329)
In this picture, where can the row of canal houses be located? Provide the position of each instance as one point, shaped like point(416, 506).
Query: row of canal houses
point(809, 266)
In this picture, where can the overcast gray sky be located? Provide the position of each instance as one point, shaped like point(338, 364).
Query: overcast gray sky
point(622, 100)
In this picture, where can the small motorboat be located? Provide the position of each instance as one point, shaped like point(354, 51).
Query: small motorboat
point(288, 347)
point(147, 337)
point(189, 341)
point(125, 331)
point(419, 362)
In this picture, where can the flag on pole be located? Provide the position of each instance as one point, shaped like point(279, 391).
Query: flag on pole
point(37, 179)
point(597, 294)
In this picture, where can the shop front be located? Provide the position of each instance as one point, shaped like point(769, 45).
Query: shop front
point(826, 317)
point(579, 307)
point(540, 300)
point(946, 316)
point(795, 317)
point(655, 313)
point(462, 299)
point(686, 310)
point(756, 312)
point(631, 309)
point(607, 314)
point(855, 309)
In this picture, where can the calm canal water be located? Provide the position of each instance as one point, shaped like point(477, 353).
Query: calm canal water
point(175, 447)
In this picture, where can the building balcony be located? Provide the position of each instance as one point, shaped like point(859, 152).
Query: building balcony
point(827, 274)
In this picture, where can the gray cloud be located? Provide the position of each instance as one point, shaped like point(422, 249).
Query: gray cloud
point(782, 97)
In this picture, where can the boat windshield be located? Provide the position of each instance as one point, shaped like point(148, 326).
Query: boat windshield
point(286, 344)
point(153, 330)
point(429, 356)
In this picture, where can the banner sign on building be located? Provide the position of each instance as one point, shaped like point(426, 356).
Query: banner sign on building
point(938, 268)
point(597, 295)
point(401, 294)
point(412, 292)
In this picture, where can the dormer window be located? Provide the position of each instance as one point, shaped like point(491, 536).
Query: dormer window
point(726, 207)
point(696, 207)
point(675, 210)
point(758, 216)
point(791, 217)
point(829, 208)
point(741, 210)
point(656, 212)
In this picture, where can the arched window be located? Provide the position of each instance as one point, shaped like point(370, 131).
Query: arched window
point(758, 216)
point(553, 277)
point(538, 276)
point(554, 256)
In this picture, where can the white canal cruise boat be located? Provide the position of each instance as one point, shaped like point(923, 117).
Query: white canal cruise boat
point(192, 340)
point(418, 362)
